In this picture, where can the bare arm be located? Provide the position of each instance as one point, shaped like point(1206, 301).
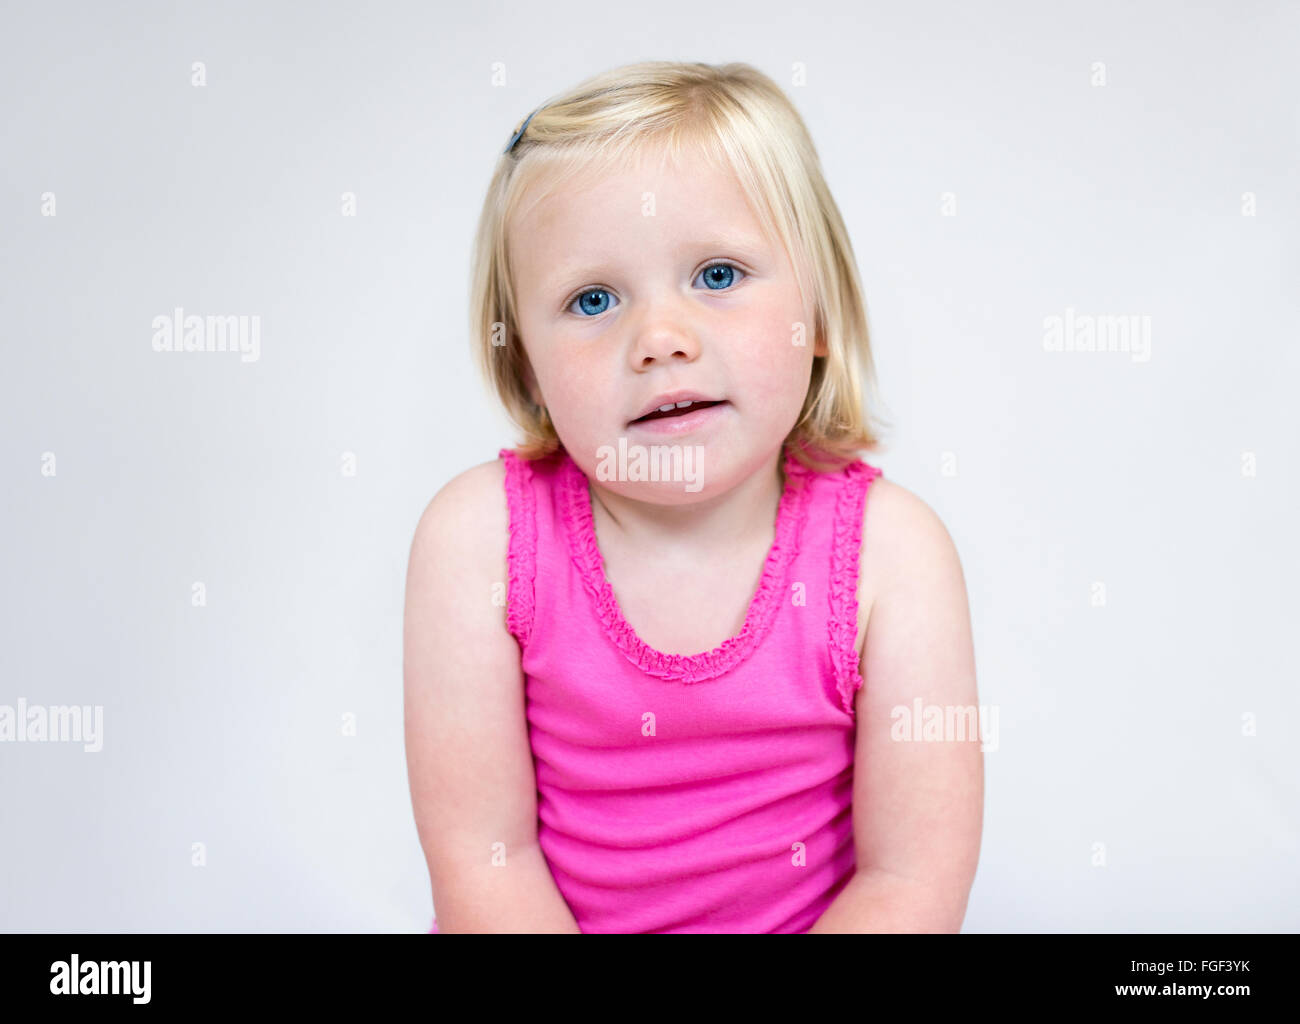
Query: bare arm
point(918, 805)
point(469, 763)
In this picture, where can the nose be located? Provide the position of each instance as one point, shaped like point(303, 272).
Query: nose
point(663, 335)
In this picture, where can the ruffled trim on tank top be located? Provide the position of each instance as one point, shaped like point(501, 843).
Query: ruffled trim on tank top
point(575, 508)
point(521, 555)
point(845, 560)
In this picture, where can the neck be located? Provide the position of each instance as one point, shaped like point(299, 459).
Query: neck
point(745, 513)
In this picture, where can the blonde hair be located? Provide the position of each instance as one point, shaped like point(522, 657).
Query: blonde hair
point(741, 120)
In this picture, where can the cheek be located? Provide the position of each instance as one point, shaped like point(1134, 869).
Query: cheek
point(573, 393)
point(777, 355)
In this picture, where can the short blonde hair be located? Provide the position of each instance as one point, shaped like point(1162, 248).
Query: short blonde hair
point(741, 120)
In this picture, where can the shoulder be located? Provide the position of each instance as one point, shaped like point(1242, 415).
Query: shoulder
point(471, 487)
point(904, 545)
point(465, 522)
point(897, 522)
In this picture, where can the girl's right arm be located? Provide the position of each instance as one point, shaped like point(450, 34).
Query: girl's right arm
point(469, 762)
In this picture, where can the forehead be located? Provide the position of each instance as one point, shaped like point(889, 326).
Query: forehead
point(647, 194)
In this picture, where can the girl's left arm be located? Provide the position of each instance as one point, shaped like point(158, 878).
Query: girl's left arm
point(918, 798)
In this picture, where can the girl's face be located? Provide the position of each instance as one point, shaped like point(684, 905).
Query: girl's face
point(653, 281)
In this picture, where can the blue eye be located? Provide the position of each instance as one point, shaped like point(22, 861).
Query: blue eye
point(594, 308)
point(717, 276)
point(718, 282)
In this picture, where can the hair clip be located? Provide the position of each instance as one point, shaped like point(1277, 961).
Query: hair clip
point(520, 133)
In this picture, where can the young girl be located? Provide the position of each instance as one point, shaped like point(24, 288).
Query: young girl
point(636, 645)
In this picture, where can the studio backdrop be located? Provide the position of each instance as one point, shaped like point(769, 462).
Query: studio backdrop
point(1078, 231)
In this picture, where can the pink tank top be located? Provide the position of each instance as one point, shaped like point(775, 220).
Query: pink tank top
point(690, 793)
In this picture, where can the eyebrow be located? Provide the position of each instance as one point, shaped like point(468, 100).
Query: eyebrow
point(743, 247)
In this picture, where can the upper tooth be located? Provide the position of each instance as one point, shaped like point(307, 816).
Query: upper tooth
point(683, 404)
point(666, 408)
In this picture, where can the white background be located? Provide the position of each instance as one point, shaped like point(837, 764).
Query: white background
point(1119, 724)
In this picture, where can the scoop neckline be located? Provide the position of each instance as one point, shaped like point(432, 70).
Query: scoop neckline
point(580, 527)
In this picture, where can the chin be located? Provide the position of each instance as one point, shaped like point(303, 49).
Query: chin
point(662, 468)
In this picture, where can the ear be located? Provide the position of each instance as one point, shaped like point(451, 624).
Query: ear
point(820, 348)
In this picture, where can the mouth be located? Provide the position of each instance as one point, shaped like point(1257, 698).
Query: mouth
point(689, 419)
point(676, 410)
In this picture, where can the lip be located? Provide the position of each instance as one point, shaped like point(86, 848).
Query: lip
point(672, 398)
point(674, 426)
